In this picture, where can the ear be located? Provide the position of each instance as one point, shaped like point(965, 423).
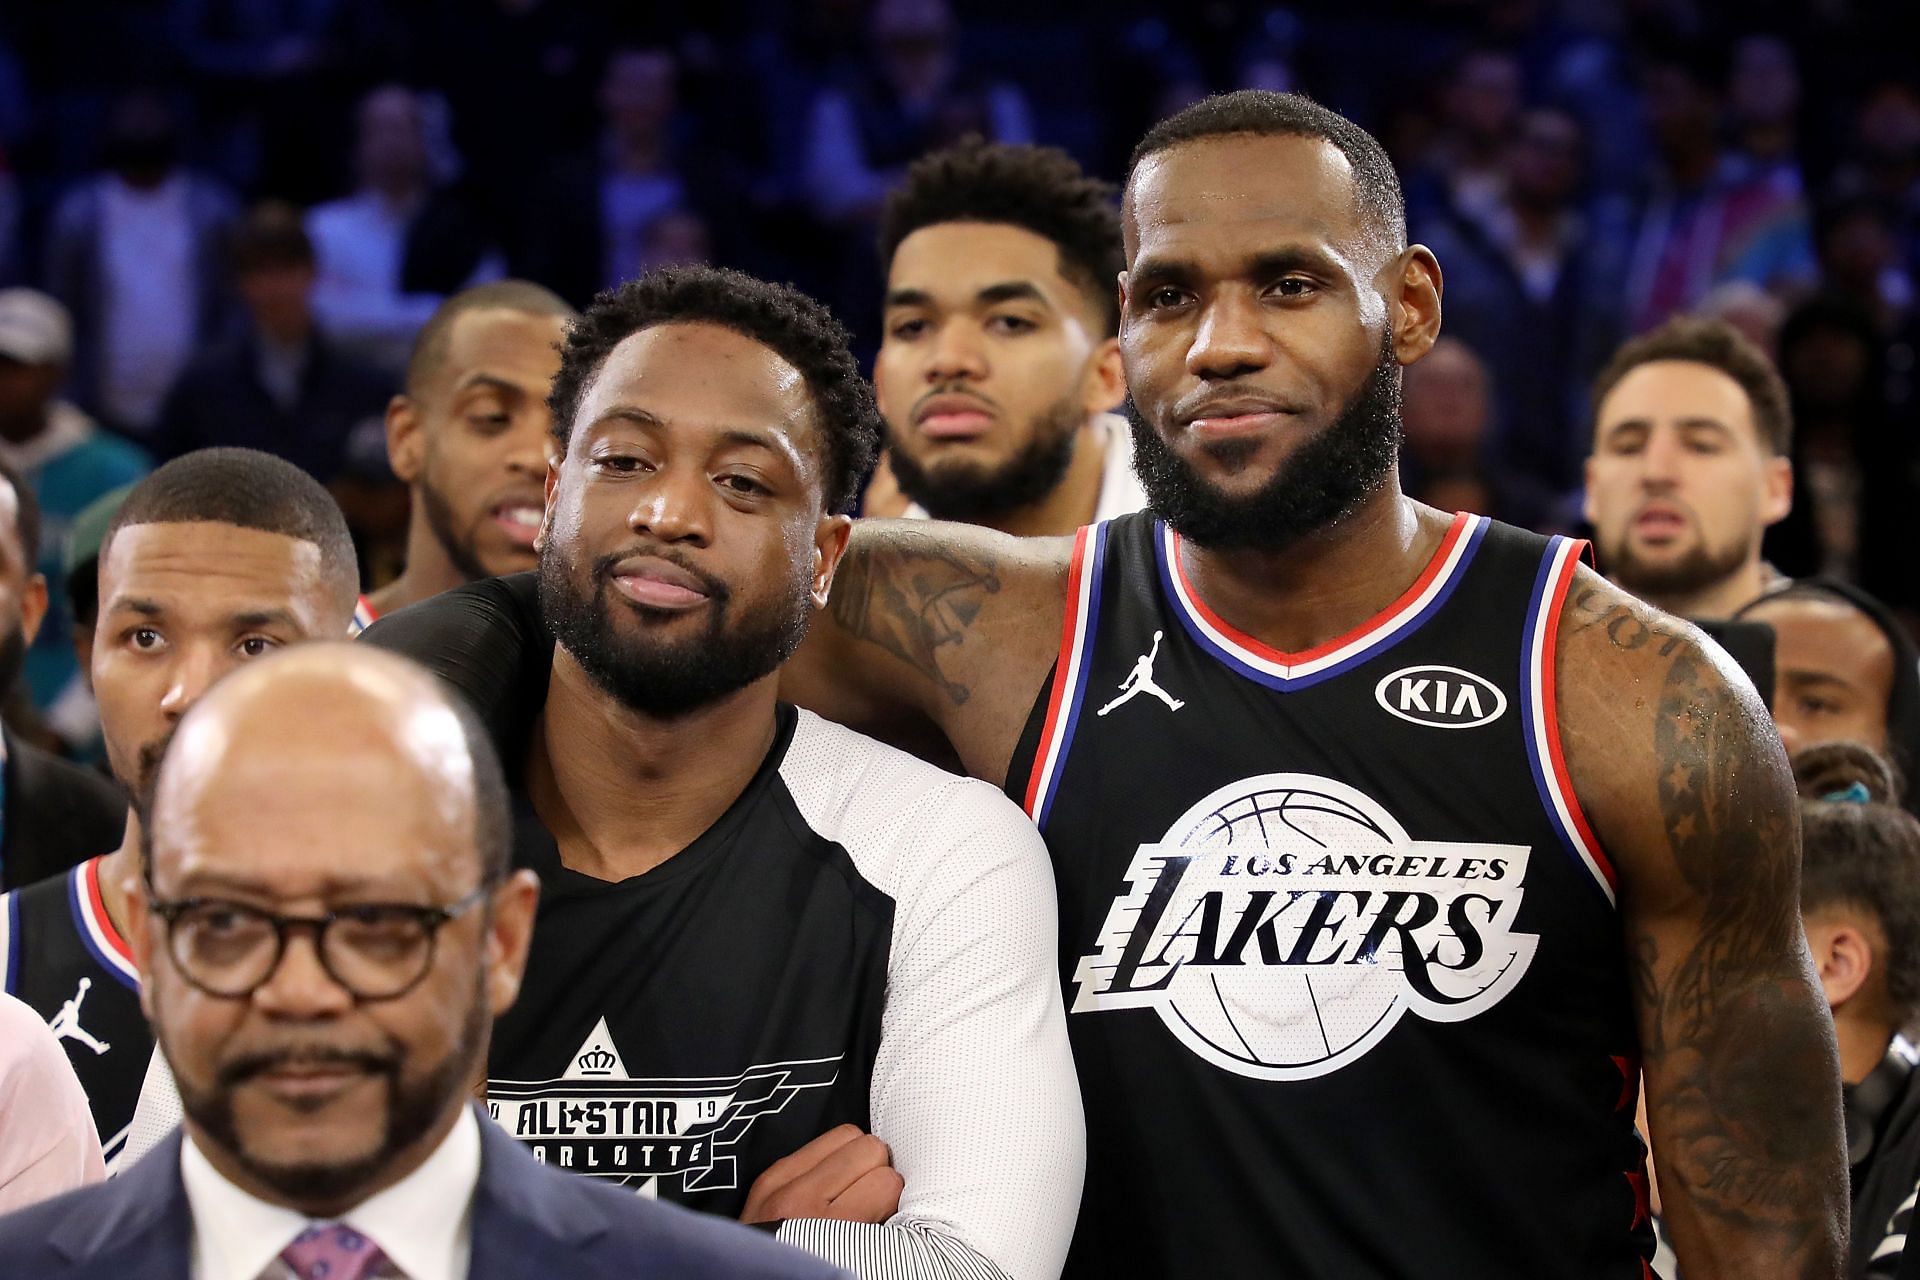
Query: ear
point(830, 538)
point(1586, 494)
point(509, 931)
point(140, 936)
point(406, 442)
point(33, 606)
point(1416, 315)
point(546, 506)
point(1120, 289)
point(1843, 955)
point(1776, 493)
point(1104, 386)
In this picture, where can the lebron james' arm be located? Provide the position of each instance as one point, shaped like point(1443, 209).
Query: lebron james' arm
point(1684, 779)
point(936, 630)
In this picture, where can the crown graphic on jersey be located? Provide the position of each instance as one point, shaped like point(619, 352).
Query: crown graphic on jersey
point(597, 1062)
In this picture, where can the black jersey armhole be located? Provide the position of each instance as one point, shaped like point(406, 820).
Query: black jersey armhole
point(1027, 749)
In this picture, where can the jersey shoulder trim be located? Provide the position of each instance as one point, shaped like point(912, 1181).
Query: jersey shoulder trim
point(364, 616)
point(1278, 669)
point(1540, 711)
point(102, 940)
point(1070, 669)
point(9, 941)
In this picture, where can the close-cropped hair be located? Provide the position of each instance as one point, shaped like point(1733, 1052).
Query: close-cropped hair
point(1265, 114)
point(247, 489)
point(1717, 345)
point(795, 327)
point(1037, 189)
point(430, 344)
point(1861, 851)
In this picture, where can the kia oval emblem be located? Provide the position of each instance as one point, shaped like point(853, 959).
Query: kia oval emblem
point(1441, 697)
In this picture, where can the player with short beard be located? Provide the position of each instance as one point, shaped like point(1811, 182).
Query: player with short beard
point(1395, 849)
point(1689, 467)
point(217, 558)
point(468, 437)
point(823, 968)
point(998, 370)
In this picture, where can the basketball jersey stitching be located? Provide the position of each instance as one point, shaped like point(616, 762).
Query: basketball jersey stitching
point(1078, 634)
point(1413, 610)
point(1538, 688)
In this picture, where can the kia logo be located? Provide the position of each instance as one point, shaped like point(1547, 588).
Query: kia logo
point(1441, 697)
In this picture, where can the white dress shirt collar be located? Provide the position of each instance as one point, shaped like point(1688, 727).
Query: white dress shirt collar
point(423, 1222)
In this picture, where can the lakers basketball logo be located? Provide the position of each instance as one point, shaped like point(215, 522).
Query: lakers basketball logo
point(598, 1120)
point(1287, 923)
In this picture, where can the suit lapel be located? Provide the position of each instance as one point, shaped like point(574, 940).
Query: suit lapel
point(142, 1213)
point(521, 1210)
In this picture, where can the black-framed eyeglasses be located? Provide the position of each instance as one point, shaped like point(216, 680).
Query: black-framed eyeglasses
point(376, 950)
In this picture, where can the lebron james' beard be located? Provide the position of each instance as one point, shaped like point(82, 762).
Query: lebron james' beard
point(1325, 481)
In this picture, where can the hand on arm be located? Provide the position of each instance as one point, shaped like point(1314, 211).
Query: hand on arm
point(842, 1174)
point(1686, 780)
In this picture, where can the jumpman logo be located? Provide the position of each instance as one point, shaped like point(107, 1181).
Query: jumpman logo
point(1140, 680)
point(66, 1023)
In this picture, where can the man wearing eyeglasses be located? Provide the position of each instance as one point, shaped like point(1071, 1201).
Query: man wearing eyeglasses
point(217, 558)
point(327, 936)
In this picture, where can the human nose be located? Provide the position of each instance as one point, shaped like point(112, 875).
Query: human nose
point(192, 672)
point(957, 353)
point(1231, 339)
point(299, 984)
point(1660, 466)
point(674, 506)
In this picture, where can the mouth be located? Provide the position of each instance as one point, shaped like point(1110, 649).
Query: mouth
point(654, 583)
point(1659, 526)
point(309, 1084)
point(953, 417)
point(1233, 419)
point(519, 520)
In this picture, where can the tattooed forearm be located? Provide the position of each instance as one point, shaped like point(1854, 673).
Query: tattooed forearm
point(1743, 1084)
point(914, 596)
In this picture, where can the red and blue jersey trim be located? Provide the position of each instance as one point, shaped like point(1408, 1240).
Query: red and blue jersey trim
point(1539, 711)
point(1282, 671)
point(90, 917)
point(364, 616)
point(1077, 634)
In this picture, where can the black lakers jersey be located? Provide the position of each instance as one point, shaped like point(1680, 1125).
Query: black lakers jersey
point(1344, 980)
point(60, 954)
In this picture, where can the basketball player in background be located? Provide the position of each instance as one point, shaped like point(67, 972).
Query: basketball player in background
point(218, 557)
point(998, 370)
point(1689, 467)
point(468, 437)
point(1367, 943)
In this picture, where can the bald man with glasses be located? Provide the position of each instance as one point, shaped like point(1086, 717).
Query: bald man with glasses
point(325, 937)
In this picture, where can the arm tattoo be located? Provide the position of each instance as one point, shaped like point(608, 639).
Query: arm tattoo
point(1734, 1027)
point(913, 595)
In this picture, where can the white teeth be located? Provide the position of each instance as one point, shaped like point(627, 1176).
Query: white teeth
point(525, 517)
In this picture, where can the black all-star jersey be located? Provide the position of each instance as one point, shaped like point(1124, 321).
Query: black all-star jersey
point(1344, 980)
point(60, 953)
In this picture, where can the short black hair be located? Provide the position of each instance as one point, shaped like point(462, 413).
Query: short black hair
point(26, 515)
point(801, 331)
point(1860, 850)
point(1038, 189)
point(1266, 114)
point(430, 344)
point(1718, 345)
point(249, 490)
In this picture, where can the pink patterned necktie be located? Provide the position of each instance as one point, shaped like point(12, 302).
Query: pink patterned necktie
point(333, 1252)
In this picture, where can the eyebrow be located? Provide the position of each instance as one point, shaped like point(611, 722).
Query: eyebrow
point(490, 382)
point(1004, 291)
point(264, 618)
point(1272, 262)
point(1819, 679)
point(134, 604)
point(728, 435)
